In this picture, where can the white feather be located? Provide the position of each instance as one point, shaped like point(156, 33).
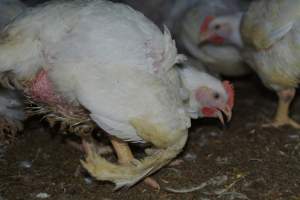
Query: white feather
point(105, 56)
point(194, 76)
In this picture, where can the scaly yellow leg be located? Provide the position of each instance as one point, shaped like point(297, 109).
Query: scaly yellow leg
point(282, 114)
point(125, 156)
point(122, 150)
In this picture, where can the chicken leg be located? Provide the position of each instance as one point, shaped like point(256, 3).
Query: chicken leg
point(282, 114)
point(168, 144)
point(125, 156)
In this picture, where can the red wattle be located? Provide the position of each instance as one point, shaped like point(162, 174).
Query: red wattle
point(208, 112)
point(217, 40)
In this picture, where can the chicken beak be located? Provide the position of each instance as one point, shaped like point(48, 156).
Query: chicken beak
point(227, 112)
point(221, 118)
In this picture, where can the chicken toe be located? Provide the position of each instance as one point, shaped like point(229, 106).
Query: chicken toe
point(125, 156)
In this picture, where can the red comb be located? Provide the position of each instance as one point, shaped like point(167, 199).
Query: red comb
point(230, 91)
point(206, 22)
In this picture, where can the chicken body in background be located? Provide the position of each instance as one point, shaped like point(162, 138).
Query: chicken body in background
point(11, 103)
point(223, 59)
point(108, 64)
point(185, 17)
point(269, 37)
point(9, 10)
point(162, 12)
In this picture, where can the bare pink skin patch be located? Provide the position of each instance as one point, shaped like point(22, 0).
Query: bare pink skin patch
point(201, 95)
point(44, 100)
point(42, 89)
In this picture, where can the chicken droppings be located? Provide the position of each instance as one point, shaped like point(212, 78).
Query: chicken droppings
point(42, 195)
point(190, 157)
point(26, 164)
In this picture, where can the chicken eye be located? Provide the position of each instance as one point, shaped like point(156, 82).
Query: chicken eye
point(216, 96)
point(217, 27)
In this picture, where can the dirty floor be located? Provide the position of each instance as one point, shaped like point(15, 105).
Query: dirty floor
point(241, 161)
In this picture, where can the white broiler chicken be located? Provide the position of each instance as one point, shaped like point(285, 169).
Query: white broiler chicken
point(224, 59)
point(269, 36)
point(11, 103)
point(98, 63)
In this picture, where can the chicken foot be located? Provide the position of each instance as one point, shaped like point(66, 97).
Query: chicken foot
point(128, 175)
point(282, 114)
point(168, 143)
point(125, 156)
